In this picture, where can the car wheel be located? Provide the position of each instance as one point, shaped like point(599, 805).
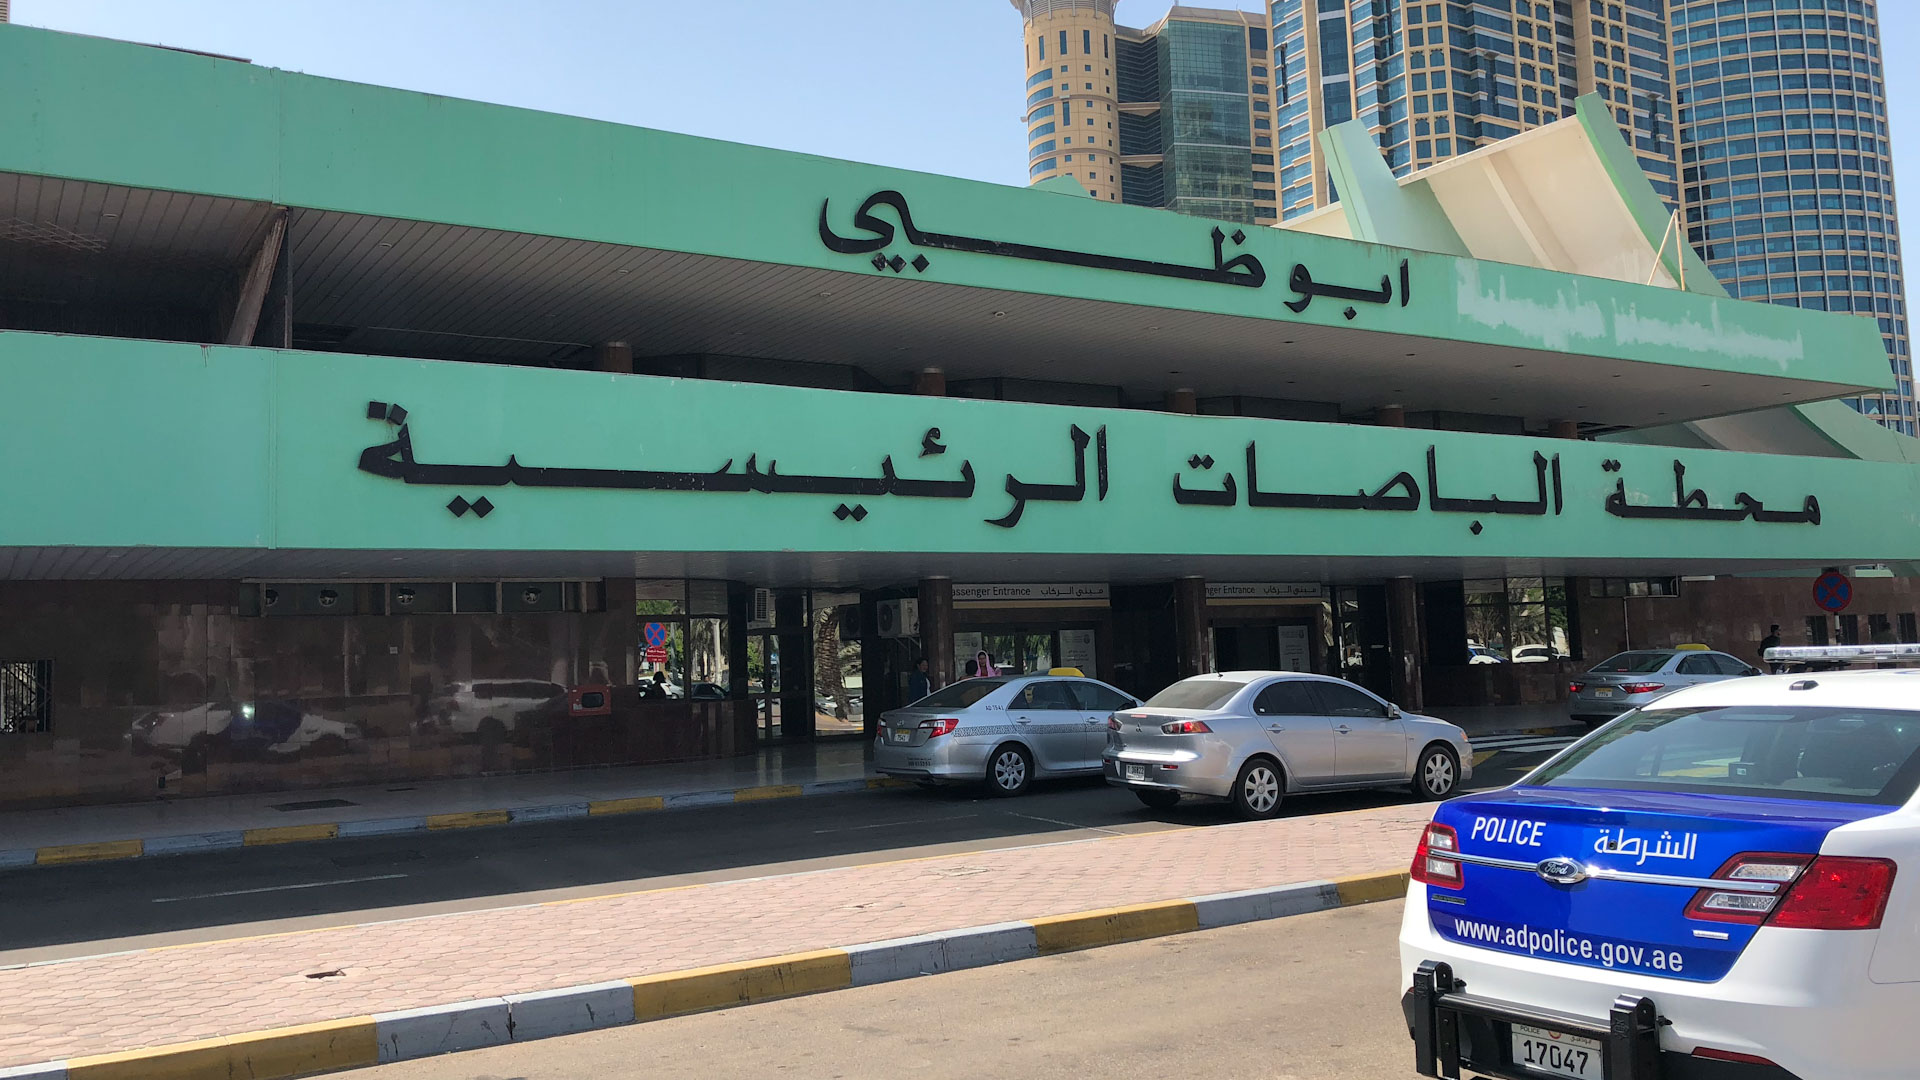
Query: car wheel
point(1009, 770)
point(1158, 799)
point(1437, 775)
point(1258, 789)
point(491, 730)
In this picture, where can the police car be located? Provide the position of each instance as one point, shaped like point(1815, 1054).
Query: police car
point(1723, 885)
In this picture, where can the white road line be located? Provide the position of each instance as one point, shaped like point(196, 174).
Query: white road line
point(277, 888)
point(894, 824)
point(1068, 824)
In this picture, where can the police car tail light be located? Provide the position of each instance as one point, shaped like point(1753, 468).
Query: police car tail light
point(1734, 1056)
point(1641, 687)
point(1837, 893)
point(1742, 906)
point(1431, 866)
point(937, 728)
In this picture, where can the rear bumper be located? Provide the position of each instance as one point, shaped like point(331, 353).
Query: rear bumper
point(1800, 998)
point(1453, 1030)
point(1188, 774)
point(944, 759)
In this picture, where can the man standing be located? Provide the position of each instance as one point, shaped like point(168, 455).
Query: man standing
point(920, 683)
point(1771, 641)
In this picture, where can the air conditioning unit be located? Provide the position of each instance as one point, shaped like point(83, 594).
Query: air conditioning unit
point(760, 611)
point(898, 618)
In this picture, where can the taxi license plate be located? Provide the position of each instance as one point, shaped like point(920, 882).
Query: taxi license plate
point(903, 735)
point(1603, 693)
point(1136, 772)
point(1553, 1054)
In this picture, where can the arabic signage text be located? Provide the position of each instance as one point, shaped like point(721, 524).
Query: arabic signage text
point(1080, 592)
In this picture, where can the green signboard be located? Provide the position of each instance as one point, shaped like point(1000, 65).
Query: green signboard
point(182, 445)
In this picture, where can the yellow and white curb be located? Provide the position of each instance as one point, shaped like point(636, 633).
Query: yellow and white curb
point(195, 843)
point(360, 1041)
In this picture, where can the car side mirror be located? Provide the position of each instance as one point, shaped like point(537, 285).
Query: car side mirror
point(1394, 713)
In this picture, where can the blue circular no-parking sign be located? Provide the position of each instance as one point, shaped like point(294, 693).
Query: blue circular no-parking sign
point(1832, 592)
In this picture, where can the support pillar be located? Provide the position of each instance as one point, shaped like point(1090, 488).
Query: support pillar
point(1403, 642)
point(1190, 627)
point(1183, 400)
point(1563, 429)
point(930, 383)
point(936, 629)
point(254, 284)
point(1390, 416)
point(613, 356)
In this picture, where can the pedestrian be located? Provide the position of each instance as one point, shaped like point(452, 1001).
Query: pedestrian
point(920, 683)
point(1771, 641)
point(973, 669)
point(985, 663)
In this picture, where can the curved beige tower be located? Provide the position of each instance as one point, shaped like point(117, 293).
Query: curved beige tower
point(1072, 124)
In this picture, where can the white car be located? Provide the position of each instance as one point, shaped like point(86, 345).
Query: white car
point(1723, 885)
point(271, 728)
point(491, 709)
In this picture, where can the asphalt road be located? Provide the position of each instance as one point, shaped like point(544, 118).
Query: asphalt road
point(57, 912)
point(1314, 997)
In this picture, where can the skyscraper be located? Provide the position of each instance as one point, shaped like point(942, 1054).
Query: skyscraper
point(1787, 171)
point(1177, 115)
point(1436, 80)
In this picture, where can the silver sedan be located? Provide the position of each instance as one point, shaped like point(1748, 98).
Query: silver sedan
point(1253, 737)
point(1633, 679)
point(1005, 731)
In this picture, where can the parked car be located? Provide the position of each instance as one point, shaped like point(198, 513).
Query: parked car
point(491, 709)
point(1719, 885)
point(1630, 680)
point(1537, 654)
point(1006, 731)
point(274, 729)
point(1254, 737)
point(1480, 654)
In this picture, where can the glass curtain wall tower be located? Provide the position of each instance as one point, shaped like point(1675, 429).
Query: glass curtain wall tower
point(1178, 115)
point(1786, 164)
point(1435, 80)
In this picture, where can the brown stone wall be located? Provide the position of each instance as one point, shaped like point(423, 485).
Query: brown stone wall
point(1732, 614)
point(165, 689)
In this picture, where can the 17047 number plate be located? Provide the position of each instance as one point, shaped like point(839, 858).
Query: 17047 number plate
point(1553, 1054)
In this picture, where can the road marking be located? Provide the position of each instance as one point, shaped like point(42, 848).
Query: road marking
point(1068, 824)
point(278, 888)
point(892, 824)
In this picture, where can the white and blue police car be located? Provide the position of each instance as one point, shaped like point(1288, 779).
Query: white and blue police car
point(1722, 885)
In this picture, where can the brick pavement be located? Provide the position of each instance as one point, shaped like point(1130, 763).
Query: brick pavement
point(159, 996)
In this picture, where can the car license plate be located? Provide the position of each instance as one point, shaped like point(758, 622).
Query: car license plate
point(1603, 693)
point(1136, 772)
point(1554, 1054)
point(903, 735)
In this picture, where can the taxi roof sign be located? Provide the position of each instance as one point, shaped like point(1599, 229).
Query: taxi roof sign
point(1693, 648)
point(1072, 671)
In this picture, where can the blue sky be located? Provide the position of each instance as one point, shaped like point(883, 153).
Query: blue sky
point(935, 85)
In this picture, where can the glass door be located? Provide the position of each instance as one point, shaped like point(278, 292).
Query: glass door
point(763, 683)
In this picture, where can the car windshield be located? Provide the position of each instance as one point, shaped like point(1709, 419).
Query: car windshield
point(1817, 754)
point(960, 694)
point(1632, 663)
point(1201, 693)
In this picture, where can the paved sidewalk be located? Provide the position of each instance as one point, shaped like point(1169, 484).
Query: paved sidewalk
point(182, 826)
point(153, 997)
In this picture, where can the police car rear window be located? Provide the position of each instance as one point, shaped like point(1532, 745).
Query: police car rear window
point(1813, 754)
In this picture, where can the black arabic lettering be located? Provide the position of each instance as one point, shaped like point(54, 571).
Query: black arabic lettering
point(1543, 468)
point(1381, 498)
point(1244, 270)
point(395, 460)
point(1024, 493)
point(1695, 506)
point(1227, 495)
point(1301, 282)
